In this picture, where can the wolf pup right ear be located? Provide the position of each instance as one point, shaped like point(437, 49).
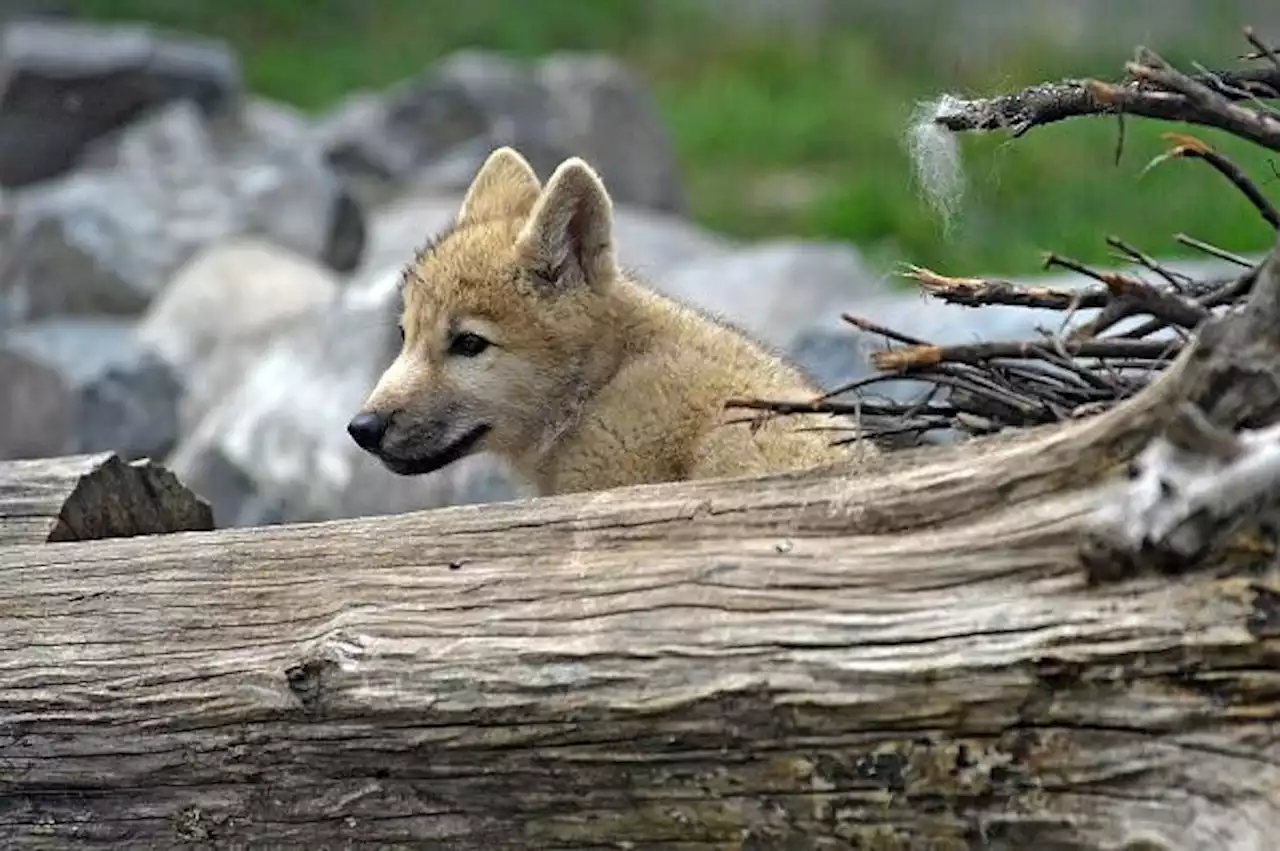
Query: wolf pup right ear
point(505, 186)
point(568, 239)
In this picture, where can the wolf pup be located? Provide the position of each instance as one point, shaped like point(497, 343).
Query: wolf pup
point(523, 338)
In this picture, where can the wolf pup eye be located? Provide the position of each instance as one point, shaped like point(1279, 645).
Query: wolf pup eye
point(467, 345)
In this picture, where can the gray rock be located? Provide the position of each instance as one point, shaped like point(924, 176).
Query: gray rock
point(19, 9)
point(435, 130)
point(102, 390)
point(108, 239)
point(35, 413)
point(604, 113)
point(65, 83)
point(257, 123)
point(221, 307)
point(777, 289)
point(381, 139)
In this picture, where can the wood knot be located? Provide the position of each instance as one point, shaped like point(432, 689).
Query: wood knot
point(1264, 618)
point(307, 682)
point(312, 679)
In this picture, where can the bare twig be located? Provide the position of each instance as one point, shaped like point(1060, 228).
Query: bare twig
point(1213, 250)
point(1191, 147)
point(836, 408)
point(912, 357)
point(974, 292)
point(873, 328)
point(1175, 279)
point(1264, 51)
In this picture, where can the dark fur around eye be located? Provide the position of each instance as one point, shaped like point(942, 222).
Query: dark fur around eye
point(467, 345)
point(400, 328)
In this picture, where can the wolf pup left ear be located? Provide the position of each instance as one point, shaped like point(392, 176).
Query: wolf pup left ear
point(568, 239)
point(506, 185)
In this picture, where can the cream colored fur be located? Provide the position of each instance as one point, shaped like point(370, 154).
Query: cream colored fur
point(591, 380)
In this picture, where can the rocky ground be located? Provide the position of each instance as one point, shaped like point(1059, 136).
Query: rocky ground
point(194, 274)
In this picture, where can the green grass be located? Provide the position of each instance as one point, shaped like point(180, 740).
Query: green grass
point(777, 135)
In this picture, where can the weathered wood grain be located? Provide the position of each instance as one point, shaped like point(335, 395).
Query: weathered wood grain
point(86, 497)
point(912, 658)
point(707, 667)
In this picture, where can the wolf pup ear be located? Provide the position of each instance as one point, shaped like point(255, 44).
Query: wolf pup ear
point(505, 185)
point(568, 239)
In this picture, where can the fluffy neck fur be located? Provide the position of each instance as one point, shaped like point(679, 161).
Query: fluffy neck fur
point(652, 392)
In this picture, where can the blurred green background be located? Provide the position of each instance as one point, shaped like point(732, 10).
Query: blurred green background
point(798, 131)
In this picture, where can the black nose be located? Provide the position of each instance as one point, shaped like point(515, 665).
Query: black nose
point(367, 430)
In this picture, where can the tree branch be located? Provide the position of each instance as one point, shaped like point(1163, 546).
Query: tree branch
point(1157, 91)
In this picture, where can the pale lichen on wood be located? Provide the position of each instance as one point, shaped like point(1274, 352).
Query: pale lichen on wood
point(1190, 492)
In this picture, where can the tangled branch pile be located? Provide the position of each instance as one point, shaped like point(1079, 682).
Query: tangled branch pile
point(1140, 321)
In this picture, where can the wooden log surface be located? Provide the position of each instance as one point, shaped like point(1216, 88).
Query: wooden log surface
point(698, 666)
point(911, 658)
point(562, 675)
point(87, 497)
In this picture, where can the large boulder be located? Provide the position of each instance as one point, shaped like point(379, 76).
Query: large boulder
point(434, 131)
point(216, 315)
point(776, 290)
point(108, 238)
point(84, 385)
point(65, 83)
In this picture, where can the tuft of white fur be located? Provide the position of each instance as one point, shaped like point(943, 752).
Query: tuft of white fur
point(935, 156)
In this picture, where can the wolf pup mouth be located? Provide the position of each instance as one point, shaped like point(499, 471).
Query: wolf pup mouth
point(424, 464)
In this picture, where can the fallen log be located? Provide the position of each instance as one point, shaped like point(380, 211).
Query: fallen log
point(87, 497)
point(920, 658)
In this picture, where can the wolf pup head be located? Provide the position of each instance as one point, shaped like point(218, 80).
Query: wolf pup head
point(501, 315)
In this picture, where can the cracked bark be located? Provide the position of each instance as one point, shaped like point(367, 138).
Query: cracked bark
point(913, 658)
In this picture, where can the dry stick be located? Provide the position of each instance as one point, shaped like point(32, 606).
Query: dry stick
point(1117, 310)
point(1175, 279)
point(1048, 103)
point(837, 408)
point(1213, 250)
point(1063, 361)
point(1223, 292)
point(977, 292)
point(1051, 102)
point(860, 384)
point(1200, 103)
point(874, 328)
point(976, 353)
point(1263, 50)
point(1131, 297)
point(1192, 148)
